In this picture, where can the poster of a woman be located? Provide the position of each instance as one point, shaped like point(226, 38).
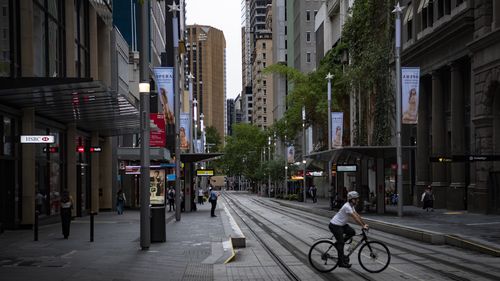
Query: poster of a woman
point(410, 114)
point(167, 107)
point(410, 87)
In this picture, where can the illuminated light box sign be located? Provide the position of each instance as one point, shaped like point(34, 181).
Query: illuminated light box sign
point(37, 139)
point(205, 173)
point(347, 168)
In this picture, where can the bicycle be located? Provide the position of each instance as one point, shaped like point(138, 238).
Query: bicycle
point(373, 256)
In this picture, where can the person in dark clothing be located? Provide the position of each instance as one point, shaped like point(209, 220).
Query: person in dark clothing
point(66, 207)
point(313, 190)
point(213, 200)
point(171, 199)
point(428, 199)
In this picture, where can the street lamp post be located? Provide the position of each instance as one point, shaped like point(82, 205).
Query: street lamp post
point(174, 8)
point(304, 148)
point(195, 118)
point(269, 168)
point(329, 78)
point(145, 228)
point(398, 10)
point(191, 118)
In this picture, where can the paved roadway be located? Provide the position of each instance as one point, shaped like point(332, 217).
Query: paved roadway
point(195, 250)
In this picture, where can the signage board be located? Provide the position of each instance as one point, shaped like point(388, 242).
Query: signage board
point(37, 139)
point(347, 168)
point(204, 173)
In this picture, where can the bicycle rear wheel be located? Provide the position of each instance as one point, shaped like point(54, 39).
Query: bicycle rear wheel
point(323, 256)
point(374, 256)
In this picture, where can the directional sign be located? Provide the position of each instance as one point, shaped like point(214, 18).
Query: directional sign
point(204, 172)
point(37, 139)
point(465, 158)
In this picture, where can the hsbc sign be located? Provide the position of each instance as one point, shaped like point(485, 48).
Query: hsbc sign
point(37, 139)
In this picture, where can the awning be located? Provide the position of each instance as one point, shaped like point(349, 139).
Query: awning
point(87, 103)
point(349, 154)
point(198, 157)
point(134, 154)
point(423, 4)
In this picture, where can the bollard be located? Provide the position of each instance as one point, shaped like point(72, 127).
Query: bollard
point(92, 227)
point(35, 226)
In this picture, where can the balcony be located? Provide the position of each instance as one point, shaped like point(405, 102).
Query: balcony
point(332, 7)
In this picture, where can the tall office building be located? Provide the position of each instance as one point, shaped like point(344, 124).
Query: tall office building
point(206, 60)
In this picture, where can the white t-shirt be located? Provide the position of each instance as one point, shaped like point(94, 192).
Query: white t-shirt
point(343, 215)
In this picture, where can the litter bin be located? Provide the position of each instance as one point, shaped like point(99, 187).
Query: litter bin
point(158, 233)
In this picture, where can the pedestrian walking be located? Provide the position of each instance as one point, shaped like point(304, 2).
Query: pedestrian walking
point(120, 201)
point(66, 207)
point(428, 199)
point(312, 191)
point(171, 199)
point(212, 198)
point(200, 195)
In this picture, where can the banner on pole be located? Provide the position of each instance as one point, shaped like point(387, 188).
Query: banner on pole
point(184, 132)
point(165, 82)
point(157, 132)
point(337, 129)
point(157, 186)
point(290, 154)
point(410, 90)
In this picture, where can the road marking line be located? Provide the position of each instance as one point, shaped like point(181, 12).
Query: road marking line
point(484, 223)
point(68, 254)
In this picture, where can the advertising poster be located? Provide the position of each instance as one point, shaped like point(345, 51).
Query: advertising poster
point(290, 154)
point(337, 129)
point(165, 82)
point(157, 130)
point(157, 186)
point(184, 132)
point(409, 86)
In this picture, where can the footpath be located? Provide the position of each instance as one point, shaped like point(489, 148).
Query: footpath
point(197, 248)
point(477, 232)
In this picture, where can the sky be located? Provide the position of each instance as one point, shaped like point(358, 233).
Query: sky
point(226, 16)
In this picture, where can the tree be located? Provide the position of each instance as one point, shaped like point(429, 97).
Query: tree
point(243, 152)
point(213, 139)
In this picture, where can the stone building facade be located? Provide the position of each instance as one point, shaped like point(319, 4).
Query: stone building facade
point(456, 44)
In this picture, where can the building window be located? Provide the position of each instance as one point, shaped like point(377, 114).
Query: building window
point(48, 39)
point(308, 36)
point(308, 57)
point(82, 55)
point(263, 56)
point(264, 82)
point(408, 21)
point(9, 39)
point(264, 64)
point(264, 45)
point(308, 15)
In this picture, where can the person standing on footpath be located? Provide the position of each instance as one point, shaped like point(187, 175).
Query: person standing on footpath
point(120, 201)
point(66, 207)
point(312, 192)
point(212, 198)
point(428, 199)
point(171, 199)
point(200, 196)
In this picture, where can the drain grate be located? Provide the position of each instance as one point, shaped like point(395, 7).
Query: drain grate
point(197, 272)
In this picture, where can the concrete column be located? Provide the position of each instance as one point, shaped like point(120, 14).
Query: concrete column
point(496, 15)
point(423, 155)
point(71, 159)
point(26, 8)
point(93, 43)
point(70, 38)
point(104, 54)
point(456, 191)
point(28, 168)
point(380, 185)
point(438, 140)
point(106, 178)
point(188, 192)
point(95, 173)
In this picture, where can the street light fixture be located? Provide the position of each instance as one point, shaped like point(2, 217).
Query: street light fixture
point(398, 10)
point(329, 77)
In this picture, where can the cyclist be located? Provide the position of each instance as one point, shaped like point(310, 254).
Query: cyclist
point(341, 230)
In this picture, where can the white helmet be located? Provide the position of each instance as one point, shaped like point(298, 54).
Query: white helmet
point(352, 195)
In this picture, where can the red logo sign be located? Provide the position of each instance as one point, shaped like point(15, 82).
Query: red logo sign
point(45, 138)
point(157, 130)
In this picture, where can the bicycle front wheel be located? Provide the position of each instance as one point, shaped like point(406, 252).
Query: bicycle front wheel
point(374, 256)
point(323, 256)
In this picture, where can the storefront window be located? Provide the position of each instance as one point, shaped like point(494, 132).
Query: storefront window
point(6, 136)
point(4, 39)
point(48, 179)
